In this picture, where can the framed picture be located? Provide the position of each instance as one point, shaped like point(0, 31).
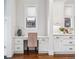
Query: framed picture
point(31, 22)
point(67, 22)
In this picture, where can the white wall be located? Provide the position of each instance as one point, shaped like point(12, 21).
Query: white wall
point(41, 19)
point(9, 26)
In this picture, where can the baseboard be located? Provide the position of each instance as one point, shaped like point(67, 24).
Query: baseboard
point(42, 52)
point(64, 52)
point(65, 55)
point(10, 56)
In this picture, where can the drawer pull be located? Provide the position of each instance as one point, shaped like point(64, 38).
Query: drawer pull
point(70, 37)
point(70, 48)
point(43, 39)
point(18, 41)
point(18, 47)
point(57, 37)
point(70, 42)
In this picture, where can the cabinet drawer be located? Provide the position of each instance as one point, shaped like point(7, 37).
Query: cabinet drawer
point(43, 44)
point(69, 37)
point(18, 41)
point(18, 47)
point(69, 48)
point(58, 37)
point(43, 41)
point(43, 48)
point(68, 42)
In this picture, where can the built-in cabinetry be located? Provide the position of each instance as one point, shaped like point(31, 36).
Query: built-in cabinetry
point(63, 16)
point(19, 45)
point(64, 44)
point(42, 44)
point(63, 27)
point(57, 41)
point(58, 13)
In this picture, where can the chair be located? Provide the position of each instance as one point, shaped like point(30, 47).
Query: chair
point(32, 41)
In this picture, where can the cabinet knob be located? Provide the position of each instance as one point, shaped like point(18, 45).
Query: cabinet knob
point(70, 42)
point(18, 41)
point(70, 37)
point(43, 39)
point(57, 37)
point(70, 48)
point(18, 47)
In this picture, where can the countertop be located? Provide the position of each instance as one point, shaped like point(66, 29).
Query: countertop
point(25, 37)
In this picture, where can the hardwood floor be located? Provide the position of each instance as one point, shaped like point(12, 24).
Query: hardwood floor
point(36, 56)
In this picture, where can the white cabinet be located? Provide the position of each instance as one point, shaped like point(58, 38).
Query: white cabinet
point(19, 45)
point(64, 44)
point(58, 13)
point(69, 13)
point(43, 45)
point(69, 9)
point(68, 48)
point(57, 44)
point(68, 42)
point(18, 48)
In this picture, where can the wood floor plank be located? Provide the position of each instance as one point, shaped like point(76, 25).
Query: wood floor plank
point(36, 56)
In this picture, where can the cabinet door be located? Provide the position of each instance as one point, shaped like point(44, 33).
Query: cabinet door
point(43, 45)
point(19, 49)
point(19, 46)
point(57, 45)
point(58, 13)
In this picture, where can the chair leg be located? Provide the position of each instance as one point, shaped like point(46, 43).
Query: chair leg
point(27, 50)
point(36, 50)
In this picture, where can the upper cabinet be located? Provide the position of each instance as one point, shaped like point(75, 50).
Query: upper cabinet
point(69, 14)
point(63, 16)
point(58, 13)
point(68, 10)
point(58, 16)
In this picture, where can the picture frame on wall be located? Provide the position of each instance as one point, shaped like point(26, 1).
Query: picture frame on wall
point(67, 22)
point(31, 22)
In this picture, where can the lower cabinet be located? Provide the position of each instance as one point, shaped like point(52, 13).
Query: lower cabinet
point(61, 44)
point(19, 46)
point(64, 45)
point(43, 45)
point(57, 45)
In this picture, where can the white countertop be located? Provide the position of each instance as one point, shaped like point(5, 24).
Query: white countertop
point(25, 37)
point(63, 34)
point(39, 37)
